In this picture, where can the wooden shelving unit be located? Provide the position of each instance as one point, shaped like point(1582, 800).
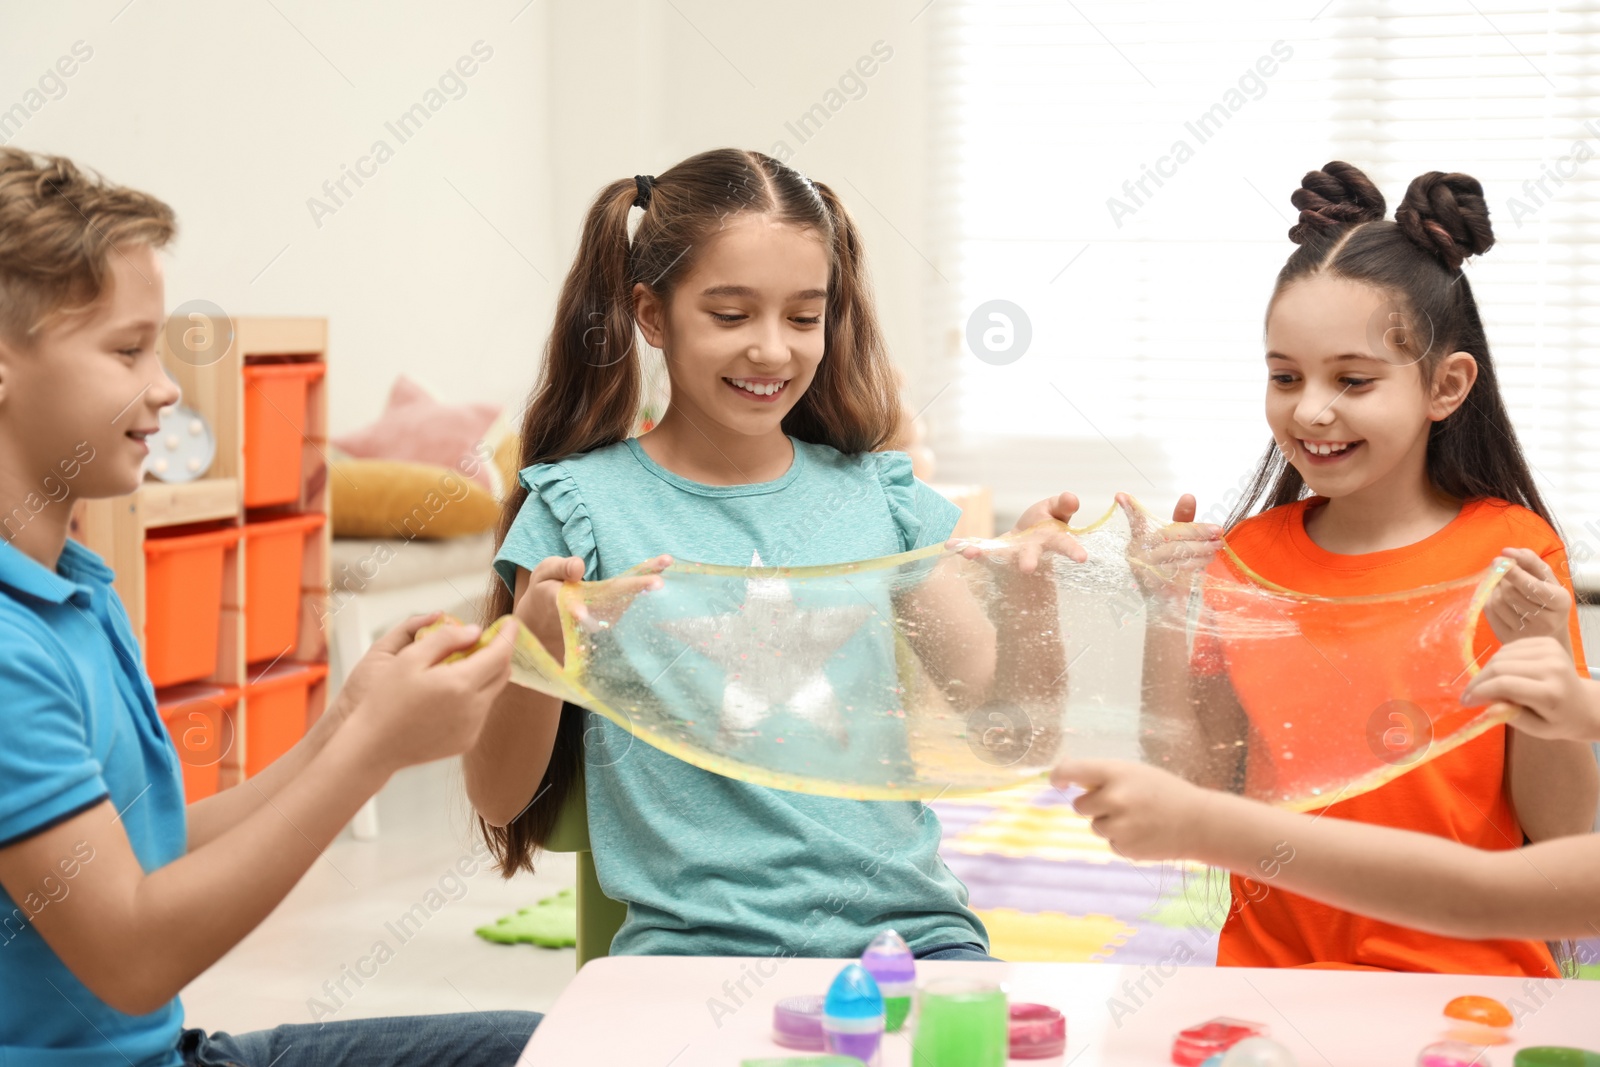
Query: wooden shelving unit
point(117, 529)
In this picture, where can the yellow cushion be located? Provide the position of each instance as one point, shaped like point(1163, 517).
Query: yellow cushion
point(406, 501)
point(507, 451)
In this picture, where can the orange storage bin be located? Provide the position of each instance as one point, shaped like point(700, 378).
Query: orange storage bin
point(274, 428)
point(273, 553)
point(275, 711)
point(183, 603)
point(202, 732)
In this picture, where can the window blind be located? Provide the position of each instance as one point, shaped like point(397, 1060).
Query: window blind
point(1120, 172)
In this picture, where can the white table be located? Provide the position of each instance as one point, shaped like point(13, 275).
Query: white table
point(658, 1011)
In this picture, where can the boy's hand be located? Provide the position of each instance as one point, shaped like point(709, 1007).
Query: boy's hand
point(1167, 559)
point(410, 707)
point(1030, 549)
point(1537, 675)
point(1144, 812)
point(1529, 601)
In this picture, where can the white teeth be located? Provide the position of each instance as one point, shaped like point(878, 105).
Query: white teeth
point(1325, 449)
point(759, 388)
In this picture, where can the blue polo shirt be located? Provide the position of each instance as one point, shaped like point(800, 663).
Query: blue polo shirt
point(78, 726)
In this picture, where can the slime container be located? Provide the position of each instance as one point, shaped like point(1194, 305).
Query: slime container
point(852, 1015)
point(1197, 1044)
point(1038, 1032)
point(1485, 1011)
point(1452, 1054)
point(1258, 1052)
point(961, 1022)
point(1555, 1056)
point(888, 959)
point(797, 1023)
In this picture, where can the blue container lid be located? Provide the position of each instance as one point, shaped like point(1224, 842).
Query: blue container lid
point(853, 995)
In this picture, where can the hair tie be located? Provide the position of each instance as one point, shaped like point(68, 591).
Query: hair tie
point(644, 183)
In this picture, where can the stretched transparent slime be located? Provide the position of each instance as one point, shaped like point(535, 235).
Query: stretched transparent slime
point(932, 674)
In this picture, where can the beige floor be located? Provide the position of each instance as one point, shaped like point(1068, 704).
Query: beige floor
point(330, 928)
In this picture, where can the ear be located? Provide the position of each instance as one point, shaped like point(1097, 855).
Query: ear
point(650, 312)
point(1453, 379)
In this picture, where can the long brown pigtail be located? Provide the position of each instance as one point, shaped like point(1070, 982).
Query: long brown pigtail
point(586, 397)
point(854, 401)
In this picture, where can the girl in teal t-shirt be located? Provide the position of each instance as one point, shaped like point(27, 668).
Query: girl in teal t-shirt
point(749, 278)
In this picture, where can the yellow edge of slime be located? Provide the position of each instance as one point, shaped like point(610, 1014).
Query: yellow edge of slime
point(553, 679)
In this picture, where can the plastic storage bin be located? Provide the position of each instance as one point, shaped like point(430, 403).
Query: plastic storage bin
point(183, 603)
point(273, 553)
point(274, 429)
point(202, 732)
point(275, 711)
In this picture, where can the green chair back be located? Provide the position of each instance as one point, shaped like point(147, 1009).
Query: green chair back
point(599, 917)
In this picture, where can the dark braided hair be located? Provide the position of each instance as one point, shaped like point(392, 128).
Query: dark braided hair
point(1445, 214)
point(1333, 198)
point(1416, 261)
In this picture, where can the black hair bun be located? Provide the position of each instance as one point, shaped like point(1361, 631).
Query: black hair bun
point(1446, 215)
point(1330, 199)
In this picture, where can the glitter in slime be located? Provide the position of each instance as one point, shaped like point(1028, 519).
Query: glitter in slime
point(1193, 1046)
point(1453, 1054)
point(852, 1015)
point(1258, 1052)
point(927, 674)
point(890, 962)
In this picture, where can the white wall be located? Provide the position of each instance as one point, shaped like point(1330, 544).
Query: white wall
point(659, 81)
point(237, 113)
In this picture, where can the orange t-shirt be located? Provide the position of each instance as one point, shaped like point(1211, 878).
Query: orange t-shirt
point(1460, 795)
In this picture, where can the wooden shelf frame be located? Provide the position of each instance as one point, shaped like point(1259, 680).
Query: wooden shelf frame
point(116, 529)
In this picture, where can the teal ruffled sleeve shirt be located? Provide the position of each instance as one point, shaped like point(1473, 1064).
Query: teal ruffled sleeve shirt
point(709, 865)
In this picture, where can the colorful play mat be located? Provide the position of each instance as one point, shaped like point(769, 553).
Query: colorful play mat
point(1046, 887)
point(1050, 890)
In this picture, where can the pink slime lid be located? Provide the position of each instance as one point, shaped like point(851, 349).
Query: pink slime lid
point(1038, 1032)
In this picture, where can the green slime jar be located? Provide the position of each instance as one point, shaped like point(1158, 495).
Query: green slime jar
point(961, 1022)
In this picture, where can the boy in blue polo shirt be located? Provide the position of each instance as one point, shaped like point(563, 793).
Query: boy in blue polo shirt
point(113, 896)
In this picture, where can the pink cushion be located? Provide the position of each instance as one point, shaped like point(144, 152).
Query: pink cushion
point(416, 428)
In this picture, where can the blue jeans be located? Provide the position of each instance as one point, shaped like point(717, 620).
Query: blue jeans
point(957, 950)
point(475, 1039)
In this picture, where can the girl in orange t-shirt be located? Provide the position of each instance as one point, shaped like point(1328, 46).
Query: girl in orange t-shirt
point(1416, 880)
point(1394, 466)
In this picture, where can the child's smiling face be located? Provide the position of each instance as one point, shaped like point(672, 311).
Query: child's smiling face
point(743, 329)
point(92, 378)
point(1347, 404)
